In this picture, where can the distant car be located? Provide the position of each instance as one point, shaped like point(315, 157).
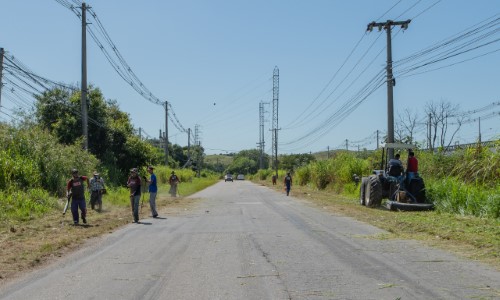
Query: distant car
point(240, 177)
point(228, 177)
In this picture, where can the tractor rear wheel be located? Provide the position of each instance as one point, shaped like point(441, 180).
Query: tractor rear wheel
point(373, 192)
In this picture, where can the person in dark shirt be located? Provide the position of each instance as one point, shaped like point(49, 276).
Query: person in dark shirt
point(153, 189)
point(76, 189)
point(288, 183)
point(134, 183)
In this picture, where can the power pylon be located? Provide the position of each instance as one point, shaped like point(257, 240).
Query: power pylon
point(276, 89)
point(261, 142)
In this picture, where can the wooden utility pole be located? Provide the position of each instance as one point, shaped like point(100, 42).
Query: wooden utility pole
point(390, 78)
point(83, 99)
point(2, 52)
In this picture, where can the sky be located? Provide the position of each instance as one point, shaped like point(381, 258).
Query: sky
point(213, 61)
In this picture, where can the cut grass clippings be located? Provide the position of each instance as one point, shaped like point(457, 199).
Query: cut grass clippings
point(469, 237)
point(26, 245)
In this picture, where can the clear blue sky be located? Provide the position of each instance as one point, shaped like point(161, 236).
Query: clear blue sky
point(214, 60)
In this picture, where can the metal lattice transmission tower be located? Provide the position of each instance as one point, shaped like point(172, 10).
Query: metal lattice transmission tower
point(261, 142)
point(197, 142)
point(276, 90)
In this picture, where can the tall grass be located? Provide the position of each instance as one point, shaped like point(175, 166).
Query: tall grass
point(336, 172)
point(25, 205)
point(463, 182)
point(453, 195)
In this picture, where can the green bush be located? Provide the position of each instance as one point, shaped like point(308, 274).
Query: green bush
point(33, 158)
point(303, 175)
point(264, 174)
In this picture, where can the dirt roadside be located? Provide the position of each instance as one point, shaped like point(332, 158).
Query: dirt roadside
point(27, 246)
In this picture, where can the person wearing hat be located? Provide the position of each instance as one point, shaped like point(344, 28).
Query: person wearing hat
point(134, 183)
point(153, 189)
point(96, 189)
point(76, 189)
point(173, 181)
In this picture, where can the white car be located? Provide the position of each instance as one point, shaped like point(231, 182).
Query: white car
point(228, 177)
point(240, 177)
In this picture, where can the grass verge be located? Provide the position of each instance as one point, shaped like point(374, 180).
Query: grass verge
point(469, 237)
point(26, 245)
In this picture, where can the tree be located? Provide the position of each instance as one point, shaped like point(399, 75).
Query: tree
point(294, 161)
point(112, 138)
point(243, 165)
point(247, 162)
point(406, 125)
point(441, 116)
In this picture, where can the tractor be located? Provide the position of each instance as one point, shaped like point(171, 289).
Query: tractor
point(390, 184)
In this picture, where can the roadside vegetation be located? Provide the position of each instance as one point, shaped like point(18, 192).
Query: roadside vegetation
point(37, 155)
point(463, 185)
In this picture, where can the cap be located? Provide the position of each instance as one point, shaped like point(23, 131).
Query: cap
point(96, 173)
point(74, 171)
point(133, 170)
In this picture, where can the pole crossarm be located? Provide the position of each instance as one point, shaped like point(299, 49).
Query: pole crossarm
point(385, 25)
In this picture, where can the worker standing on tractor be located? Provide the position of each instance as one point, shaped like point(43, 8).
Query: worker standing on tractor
point(412, 168)
point(76, 188)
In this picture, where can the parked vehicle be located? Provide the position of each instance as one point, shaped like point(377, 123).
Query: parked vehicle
point(240, 177)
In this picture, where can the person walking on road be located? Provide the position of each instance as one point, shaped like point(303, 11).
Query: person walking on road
point(288, 183)
point(96, 190)
point(134, 183)
point(173, 181)
point(76, 189)
point(153, 190)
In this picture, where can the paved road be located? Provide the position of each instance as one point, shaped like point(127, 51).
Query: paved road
point(244, 241)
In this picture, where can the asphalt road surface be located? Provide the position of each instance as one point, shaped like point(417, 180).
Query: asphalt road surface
point(244, 241)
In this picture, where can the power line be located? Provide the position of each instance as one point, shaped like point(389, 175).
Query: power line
point(119, 64)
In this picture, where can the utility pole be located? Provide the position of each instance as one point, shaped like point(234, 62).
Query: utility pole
point(390, 78)
point(276, 81)
point(328, 152)
point(83, 99)
point(479, 130)
point(377, 138)
point(2, 52)
point(189, 145)
point(347, 144)
point(197, 142)
point(140, 133)
point(166, 133)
